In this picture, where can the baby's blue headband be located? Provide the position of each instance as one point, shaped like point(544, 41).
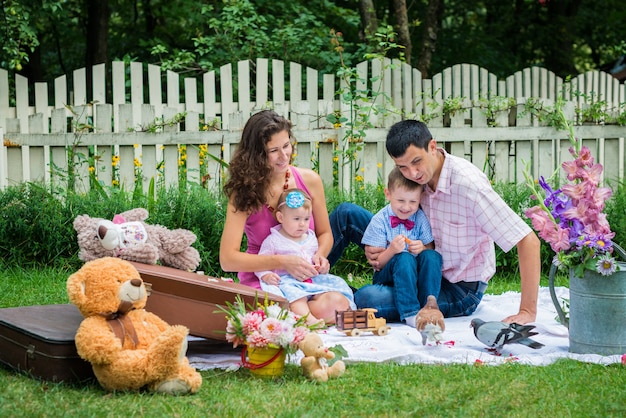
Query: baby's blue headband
point(294, 199)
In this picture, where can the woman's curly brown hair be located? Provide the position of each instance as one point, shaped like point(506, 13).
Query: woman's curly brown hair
point(249, 170)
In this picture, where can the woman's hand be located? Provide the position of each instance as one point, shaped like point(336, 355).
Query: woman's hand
point(321, 264)
point(298, 267)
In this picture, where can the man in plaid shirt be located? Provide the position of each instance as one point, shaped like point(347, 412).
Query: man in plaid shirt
point(467, 217)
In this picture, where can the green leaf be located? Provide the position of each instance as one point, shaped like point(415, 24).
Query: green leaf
point(340, 353)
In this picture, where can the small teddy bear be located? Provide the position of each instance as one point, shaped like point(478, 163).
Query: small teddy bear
point(314, 363)
point(128, 237)
point(128, 347)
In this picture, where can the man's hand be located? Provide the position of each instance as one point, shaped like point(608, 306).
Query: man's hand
point(372, 254)
point(522, 317)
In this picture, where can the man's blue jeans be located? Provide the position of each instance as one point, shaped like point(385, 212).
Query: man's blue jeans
point(401, 288)
point(453, 300)
point(348, 223)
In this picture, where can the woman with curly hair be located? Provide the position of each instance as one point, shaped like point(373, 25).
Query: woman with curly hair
point(259, 171)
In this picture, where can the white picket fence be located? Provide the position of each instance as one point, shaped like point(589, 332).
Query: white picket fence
point(124, 101)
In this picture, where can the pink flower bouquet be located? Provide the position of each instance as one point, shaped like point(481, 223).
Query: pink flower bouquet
point(571, 218)
point(262, 326)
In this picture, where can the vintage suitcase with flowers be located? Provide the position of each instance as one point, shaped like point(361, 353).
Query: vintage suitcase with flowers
point(192, 299)
point(39, 340)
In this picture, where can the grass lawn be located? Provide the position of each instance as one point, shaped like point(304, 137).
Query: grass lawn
point(564, 389)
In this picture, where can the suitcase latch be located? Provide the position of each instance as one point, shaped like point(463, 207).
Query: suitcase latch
point(30, 352)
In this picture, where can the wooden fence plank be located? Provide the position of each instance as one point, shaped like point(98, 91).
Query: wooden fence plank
point(192, 107)
point(226, 90)
point(295, 82)
point(119, 91)
point(80, 87)
point(99, 94)
point(21, 102)
point(155, 91)
point(243, 86)
point(262, 83)
point(173, 90)
point(278, 82)
point(4, 97)
point(211, 107)
point(407, 89)
point(312, 96)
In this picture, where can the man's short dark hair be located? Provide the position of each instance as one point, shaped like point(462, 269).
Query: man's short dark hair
point(405, 133)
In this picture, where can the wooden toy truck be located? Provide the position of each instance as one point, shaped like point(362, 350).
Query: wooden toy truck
point(354, 322)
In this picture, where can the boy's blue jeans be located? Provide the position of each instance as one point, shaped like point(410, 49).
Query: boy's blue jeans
point(401, 288)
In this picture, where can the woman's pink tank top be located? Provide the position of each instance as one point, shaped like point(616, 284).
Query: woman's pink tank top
point(257, 228)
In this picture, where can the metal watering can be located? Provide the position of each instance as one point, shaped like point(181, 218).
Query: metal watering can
point(597, 308)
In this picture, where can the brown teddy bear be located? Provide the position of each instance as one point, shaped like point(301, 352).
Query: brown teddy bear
point(128, 237)
point(314, 364)
point(128, 347)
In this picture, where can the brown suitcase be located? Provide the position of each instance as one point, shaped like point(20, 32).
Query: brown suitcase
point(39, 340)
point(191, 299)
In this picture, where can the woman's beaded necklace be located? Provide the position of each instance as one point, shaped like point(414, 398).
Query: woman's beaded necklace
point(285, 187)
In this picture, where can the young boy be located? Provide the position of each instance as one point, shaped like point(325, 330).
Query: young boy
point(407, 263)
point(294, 237)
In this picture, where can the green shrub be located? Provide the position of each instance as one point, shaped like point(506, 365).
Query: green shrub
point(36, 227)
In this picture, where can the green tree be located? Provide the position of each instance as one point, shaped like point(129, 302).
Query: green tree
point(44, 39)
point(20, 33)
point(232, 31)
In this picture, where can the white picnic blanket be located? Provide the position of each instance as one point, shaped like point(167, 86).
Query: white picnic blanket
point(403, 344)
